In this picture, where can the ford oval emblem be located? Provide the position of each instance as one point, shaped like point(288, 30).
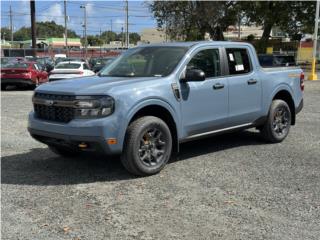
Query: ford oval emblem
point(49, 103)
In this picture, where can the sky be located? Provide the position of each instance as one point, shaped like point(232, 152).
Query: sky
point(99, 15)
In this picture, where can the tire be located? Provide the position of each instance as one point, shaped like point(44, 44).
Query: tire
point(278, 123)
point(147, 146)
point(35, 85)
point(64, 151)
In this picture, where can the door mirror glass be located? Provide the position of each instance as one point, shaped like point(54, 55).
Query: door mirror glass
point(194, 75)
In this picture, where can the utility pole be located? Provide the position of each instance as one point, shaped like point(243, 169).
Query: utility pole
point(11, 26)
point(100, 42)
point(111, 25)
point(33, 26)
point(239, 27)
point(85, 30)
point(127, 23)
point(313, 74)
point(65, 27)
point(122, 37)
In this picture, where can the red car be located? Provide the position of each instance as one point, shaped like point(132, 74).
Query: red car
point(22, 74)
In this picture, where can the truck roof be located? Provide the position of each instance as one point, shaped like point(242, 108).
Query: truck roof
point(191, 44)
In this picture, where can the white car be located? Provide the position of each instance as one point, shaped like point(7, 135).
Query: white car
point(73, 69)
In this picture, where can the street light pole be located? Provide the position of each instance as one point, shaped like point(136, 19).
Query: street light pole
point(85, 30)
point(313, 75)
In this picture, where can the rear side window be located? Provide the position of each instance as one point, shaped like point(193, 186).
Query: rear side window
point(208, 61)
point(238, 61)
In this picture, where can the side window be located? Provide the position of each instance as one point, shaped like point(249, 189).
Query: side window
point(208, 61)
point(238, 61)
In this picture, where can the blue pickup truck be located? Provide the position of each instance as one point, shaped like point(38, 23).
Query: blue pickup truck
point(154, 97)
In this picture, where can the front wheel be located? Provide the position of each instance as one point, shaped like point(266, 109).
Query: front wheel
point(147, 146)
point(278, 124)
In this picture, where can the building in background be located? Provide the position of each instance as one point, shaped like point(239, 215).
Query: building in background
point(152, 35)
point(60, 42)
point(305, 49)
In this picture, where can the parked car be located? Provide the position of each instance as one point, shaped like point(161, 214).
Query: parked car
point(276, 60)
point(70, 59)
point(154, 97)
point(5, 60)
point(45, 62)
point(70, 70)
point(22, 74)
point(101, 63)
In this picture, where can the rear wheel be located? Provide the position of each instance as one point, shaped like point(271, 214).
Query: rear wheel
point(147, 147)
point(278, 124)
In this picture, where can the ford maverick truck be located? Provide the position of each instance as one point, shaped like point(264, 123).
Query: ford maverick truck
point(154, 97)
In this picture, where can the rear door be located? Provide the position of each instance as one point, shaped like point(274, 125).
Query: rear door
point(204, 104)
point(244, 87)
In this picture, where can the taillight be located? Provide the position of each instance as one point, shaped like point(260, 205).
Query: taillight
point(302, 81)
point(80, 72)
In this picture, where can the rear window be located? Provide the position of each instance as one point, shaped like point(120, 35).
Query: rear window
point(68, 66)
point(17, 65)
point(266, 61)
point(284, 60)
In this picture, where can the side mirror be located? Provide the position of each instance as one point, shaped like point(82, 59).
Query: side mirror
point(196, 75)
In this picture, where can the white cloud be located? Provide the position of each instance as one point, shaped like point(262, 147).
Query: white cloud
point(54, 13)
point(118, 24)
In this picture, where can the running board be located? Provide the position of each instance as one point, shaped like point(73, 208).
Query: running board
point(205, 134)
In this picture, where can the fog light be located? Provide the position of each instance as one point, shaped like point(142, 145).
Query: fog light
point(82, 145)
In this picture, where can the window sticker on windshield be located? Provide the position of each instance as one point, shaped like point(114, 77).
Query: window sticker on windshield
point(239, 67)
point(231, 57)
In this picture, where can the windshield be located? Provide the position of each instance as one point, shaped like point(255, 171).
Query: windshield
point(16, 65)
point(145, 62)
point(68, 66)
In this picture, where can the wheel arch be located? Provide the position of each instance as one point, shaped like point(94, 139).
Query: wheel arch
point(286, 96)
point(163, 112)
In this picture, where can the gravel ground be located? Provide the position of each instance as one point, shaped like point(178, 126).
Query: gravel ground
point(228, 187)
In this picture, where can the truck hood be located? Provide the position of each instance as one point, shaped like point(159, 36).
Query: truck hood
point(93, 85)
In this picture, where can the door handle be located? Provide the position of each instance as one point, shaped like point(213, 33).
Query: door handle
point(252, 81)
point(218, 86)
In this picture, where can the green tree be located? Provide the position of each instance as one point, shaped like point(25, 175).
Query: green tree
point(43, 30)
point(108, 36)
point(292, 17)
point(22, 34)
point(5, 33)
point(134, 38)
point(190, 20)
point(93, 40)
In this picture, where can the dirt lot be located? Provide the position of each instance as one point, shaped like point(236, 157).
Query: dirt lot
point(228, 187)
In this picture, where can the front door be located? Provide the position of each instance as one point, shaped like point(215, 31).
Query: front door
point(204, 104)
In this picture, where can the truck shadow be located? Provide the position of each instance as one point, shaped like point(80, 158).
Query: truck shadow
point(41, 167)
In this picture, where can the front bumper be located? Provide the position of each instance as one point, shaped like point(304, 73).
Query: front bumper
point(17, 81)
point(93, 132)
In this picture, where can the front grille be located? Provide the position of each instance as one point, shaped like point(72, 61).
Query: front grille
point(54, 113)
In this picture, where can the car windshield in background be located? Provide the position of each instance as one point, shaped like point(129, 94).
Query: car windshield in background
point(68, 66)
point(146, 62)
point(16, 65)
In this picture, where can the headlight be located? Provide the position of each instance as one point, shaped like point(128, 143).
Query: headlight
point(93, 106)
